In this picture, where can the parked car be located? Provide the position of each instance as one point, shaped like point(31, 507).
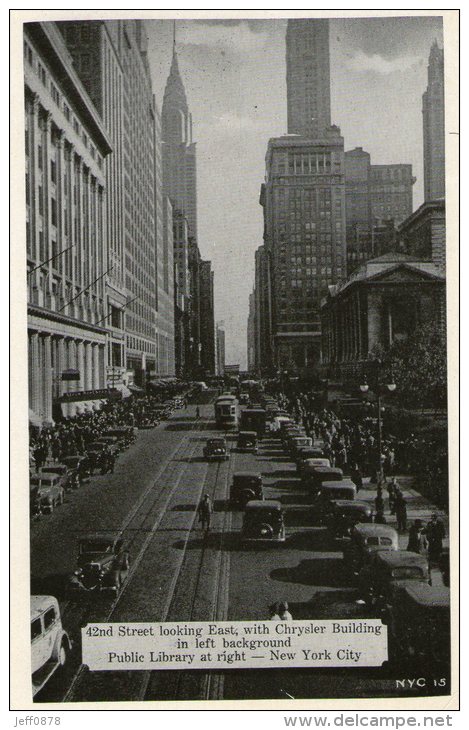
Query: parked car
point(418, 620)
point(296, 444)
point(50, 492)
point(68, 478)
point(103, 563)
point(247, 442)
point(345, 514)
point(78, 466)
point(110, 443)
point(263, 522)
point(328, 493)
point(246, 486)
point(50, 643)
point(384, 571)
point(94, 452)
point(304, 462)
point(215, 449)
point(366, 540)
point(314, 476)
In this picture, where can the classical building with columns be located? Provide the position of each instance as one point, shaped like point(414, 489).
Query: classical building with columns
point(386, 300)
point(65, 150)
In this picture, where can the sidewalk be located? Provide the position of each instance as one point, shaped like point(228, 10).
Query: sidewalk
point(418, 507)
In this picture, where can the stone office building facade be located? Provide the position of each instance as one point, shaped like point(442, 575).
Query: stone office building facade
point(65, 149)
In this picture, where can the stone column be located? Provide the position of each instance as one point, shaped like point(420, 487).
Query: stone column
point(95, 359)
point(35, 375)
point(47, 375)
point(81, 364)
point(88, 366)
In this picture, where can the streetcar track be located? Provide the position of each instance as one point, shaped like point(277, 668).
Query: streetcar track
point(68, 697)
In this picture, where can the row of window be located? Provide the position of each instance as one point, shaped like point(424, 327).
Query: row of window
point(61, 104)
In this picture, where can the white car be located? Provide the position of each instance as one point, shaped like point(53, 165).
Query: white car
point(50, 644)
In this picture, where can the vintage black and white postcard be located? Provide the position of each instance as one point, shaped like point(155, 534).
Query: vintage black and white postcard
point(233, 233)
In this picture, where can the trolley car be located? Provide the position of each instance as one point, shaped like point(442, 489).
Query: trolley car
point(226, 412)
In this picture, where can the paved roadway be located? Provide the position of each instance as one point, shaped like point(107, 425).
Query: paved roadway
point(177, 575)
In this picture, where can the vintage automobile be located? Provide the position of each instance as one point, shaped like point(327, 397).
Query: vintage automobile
point(366, 540)
point(110, 444)
point(314, 476)
point(384, 571)
point(103, 563)
point(345, 514)
point(94, 453)
point(50, 491)
point(329, 492)
point(68, 478)
point(263, 522)
point(50, 644)
point(215, 449)
point(276, 422)
point(418, 620)
point(245, 487)
point(78, 465)
point(254, 419)
point(296, 444)
point(305, 462)
point(247, 442)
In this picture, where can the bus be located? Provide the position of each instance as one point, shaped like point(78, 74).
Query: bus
point(226, 412)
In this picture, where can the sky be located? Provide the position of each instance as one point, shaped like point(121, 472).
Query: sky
point(234, 75)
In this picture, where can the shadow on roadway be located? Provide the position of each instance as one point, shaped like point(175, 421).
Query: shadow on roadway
point(230, 541)
point(180, 426)
point(303, 499)
point(315, 539)
point(49, 585)
point(317, 572)
point(287, 484)
point(279, 473)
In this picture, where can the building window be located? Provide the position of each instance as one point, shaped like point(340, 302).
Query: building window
point(40, 200)
point(53, 171)
point(41, 72)
point(39, 156)
point(53, 211)
point(55, 94)
point(28, 54)
point(66, 111)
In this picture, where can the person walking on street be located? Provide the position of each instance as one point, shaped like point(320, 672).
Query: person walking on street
point(284, 613)
point(435, 532)
point(379, 501)
point(392, 495)
point(205, 512)
point(417, 540)
point(401, 512)
point(274, 612)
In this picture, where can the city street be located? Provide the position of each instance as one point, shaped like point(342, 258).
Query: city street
point(178, 575)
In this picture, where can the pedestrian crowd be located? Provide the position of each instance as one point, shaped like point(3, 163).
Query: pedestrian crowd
point(73, 436)
point(351, 445)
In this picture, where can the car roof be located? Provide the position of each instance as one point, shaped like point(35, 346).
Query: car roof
point(265, 504)
point(109, 536)
point(45, 476)
point(247, 475)
point(369, 530)
point(216, 438)
point(352, 505)
point(337, 485)
point(430, 596)
point(39, 604)
point(395, 558)
point(248, 433)
point(327, 470)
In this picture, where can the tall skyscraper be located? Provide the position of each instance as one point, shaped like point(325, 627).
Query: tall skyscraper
point(308, 77)
point(433, 110)
point(66, 148)
point(179, 151)
point(111, 60)
point(304, 236)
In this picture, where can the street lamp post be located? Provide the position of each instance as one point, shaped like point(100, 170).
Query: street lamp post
point(380, 389)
